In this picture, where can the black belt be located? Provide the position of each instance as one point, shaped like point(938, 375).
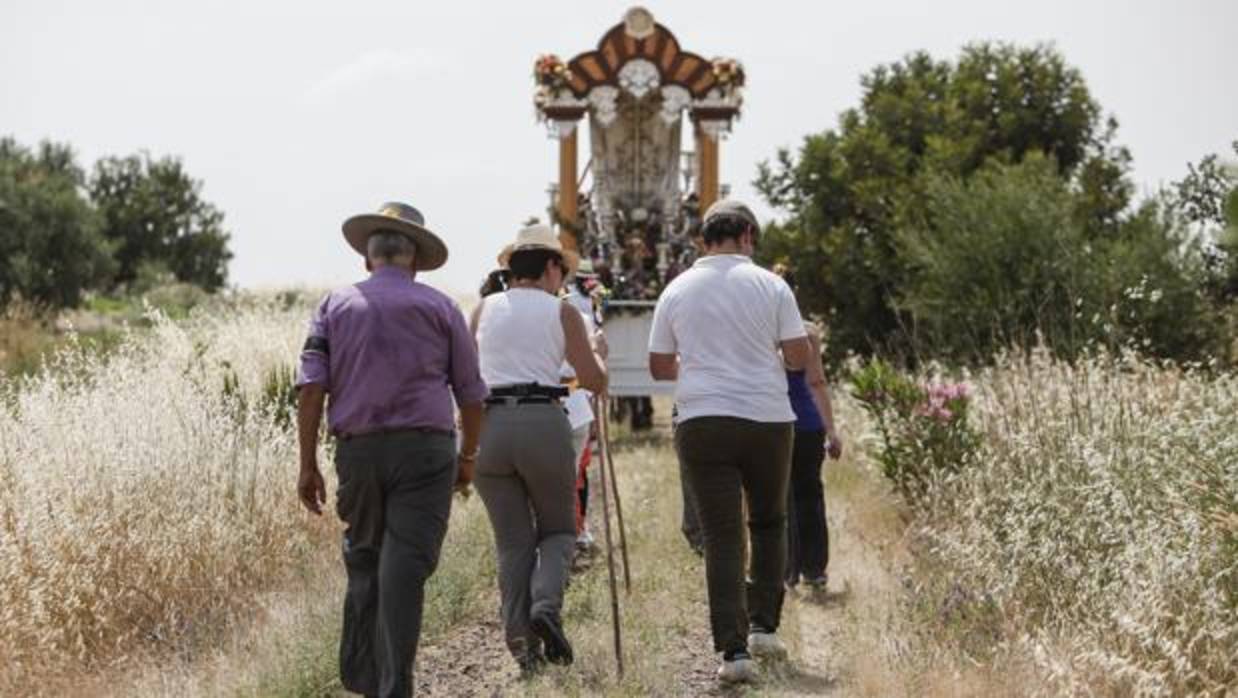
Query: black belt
point(528, 400)
point(524, 391)
point(340, 436)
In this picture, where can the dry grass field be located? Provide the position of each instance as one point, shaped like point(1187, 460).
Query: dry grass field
point(151, 543)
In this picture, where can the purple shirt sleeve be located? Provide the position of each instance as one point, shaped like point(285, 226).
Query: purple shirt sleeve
point(315, 364)
point(465, 372)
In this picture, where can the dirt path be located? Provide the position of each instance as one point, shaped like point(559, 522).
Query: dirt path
point(832, 637)
point(856, 639)
point(838, 635)
point(471, 661)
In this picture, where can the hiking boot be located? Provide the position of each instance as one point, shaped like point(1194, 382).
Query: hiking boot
point(766, 644)
point(737, 667)
point(818, 584)
point(550, 630)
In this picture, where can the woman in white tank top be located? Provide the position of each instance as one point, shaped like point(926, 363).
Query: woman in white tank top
point(520, 337)
point(526, 473)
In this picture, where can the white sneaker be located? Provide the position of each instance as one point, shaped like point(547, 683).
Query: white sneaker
point(766, 645)
point(585, 539)
point(739, 669)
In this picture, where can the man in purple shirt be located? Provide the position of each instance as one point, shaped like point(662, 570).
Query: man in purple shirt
point(392, 354)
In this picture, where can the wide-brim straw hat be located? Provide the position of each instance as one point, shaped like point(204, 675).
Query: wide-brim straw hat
point(403, 219)
point(539, 237)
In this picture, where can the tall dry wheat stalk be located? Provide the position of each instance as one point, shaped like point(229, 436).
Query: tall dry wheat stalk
point(1100, 526)
point(146, 498)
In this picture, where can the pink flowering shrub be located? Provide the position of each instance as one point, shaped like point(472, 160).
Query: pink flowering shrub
point(923, 427)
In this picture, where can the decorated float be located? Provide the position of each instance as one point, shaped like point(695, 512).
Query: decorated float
point(635, 207)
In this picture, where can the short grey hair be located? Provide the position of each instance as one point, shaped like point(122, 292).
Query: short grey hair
point(387, 245)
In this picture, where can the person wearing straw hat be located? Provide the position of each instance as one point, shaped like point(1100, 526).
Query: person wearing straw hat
point(724, 330)
point(580, 291)
point(526, 473)
point(392, 354)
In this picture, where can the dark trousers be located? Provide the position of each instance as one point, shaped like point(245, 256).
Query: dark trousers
point(690, 523)
point(726, 461)
point(808, 540)
point(395, 497)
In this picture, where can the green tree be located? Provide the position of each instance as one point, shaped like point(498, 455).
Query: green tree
point(995, 257)
point(50, 247)
point(848, 190)
point(154, 213)
point(1203, 194)
point(1001, 258)
point(1207, 197)
point(1155, 270)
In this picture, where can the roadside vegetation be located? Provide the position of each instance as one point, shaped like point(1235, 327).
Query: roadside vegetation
point(1085, 537)
point(142, 490)
point(1035, 374)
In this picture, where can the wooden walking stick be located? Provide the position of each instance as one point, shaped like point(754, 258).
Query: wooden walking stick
point(610, 553)
point(614, 483)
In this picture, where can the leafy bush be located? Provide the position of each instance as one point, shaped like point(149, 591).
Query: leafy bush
point(175, 299)
point(154, 212)
point(850, 188)
point(25, 334)
point(1003, 259)
point(923, 426)
point(135, 223)
point(51, 250)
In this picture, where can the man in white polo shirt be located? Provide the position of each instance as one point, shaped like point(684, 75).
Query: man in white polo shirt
point(727, 330)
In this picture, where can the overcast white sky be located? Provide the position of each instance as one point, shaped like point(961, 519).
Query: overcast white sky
point(298, 114)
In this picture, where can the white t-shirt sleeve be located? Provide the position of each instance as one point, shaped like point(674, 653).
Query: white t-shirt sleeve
point(661, 337)
point(790, 323)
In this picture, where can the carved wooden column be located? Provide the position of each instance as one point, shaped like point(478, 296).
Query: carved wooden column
point(707, 183)
point(567, 185)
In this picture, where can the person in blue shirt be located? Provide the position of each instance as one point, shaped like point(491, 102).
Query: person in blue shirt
point(808, 543)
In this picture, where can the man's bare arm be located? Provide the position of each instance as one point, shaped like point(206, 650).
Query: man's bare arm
point(796, 353)
point(663, 367)
point(310, 486)
point(470, 436)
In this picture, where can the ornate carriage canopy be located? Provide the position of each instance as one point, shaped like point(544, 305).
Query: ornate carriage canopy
point(639, 56)
point(634, 88)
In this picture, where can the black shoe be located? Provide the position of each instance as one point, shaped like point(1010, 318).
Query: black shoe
point(550, 630)
point(531, 664)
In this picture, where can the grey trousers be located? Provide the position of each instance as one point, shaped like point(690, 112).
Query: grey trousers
point(527, 479)
point(395, 496)
point(727, 461)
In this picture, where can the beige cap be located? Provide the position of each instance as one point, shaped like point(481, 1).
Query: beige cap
point(733, 208)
